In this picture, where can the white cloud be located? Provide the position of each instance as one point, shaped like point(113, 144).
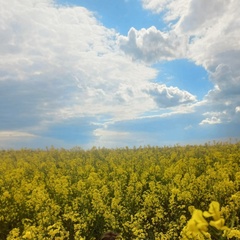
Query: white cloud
point(212, 120)
point(170, 96)
point(202, 14)
point(60, 62)
point(151, 45)
point(22, 139)
point(106, 133)
point(224, 98)
point(105, 137)
point(173, 9)
point(41, 39)
point(216, 117)
point(11, 139)
point(15, 134)
point(212, 30)
point(78, 80)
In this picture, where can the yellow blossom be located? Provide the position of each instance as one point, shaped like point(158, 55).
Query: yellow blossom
point(214, 211)
point(197, 226)
point(219, 224)
point(27, 235)
point(198, 222)
point(233, 233)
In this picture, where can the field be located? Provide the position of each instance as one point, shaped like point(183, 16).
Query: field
point(180, 192)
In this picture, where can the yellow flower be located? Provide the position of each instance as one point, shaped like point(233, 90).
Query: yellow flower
point(27, 235)
point(219, 224)
point(197, 222)
point(233, 233)
point(214, 211)
point(6, 194)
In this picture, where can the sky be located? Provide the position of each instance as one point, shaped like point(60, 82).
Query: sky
point(117, 73)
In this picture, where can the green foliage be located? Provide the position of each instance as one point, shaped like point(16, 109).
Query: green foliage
point(141, 193)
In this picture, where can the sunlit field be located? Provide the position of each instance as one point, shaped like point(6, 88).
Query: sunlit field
point(180, 192)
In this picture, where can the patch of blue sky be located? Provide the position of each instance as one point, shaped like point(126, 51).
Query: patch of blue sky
point(175, 129)
point(185, 75)
point(120, 14)
point(75, 131)
point(169, 125)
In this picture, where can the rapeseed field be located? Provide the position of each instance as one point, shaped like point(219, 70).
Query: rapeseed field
point(155, 193)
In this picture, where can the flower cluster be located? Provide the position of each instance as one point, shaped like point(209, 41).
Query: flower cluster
point(208, 225)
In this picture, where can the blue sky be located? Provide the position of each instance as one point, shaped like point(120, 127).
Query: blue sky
point(118, 73)
point(120, 15)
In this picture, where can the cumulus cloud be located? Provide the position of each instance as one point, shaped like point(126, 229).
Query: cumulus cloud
point(215, 118)
point(166, 97)
point(150, 45)
point(224, 98)
point(212, 120)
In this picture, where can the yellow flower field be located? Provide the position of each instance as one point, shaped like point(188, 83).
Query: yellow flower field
point(155, 193)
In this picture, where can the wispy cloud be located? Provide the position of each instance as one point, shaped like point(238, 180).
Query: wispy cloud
point(15, 134)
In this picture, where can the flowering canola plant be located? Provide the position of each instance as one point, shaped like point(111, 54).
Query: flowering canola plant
point(199, 227)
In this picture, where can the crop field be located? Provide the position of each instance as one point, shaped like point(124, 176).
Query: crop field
point(155, 193)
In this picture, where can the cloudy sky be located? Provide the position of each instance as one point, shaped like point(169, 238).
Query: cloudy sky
point(118, 73)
